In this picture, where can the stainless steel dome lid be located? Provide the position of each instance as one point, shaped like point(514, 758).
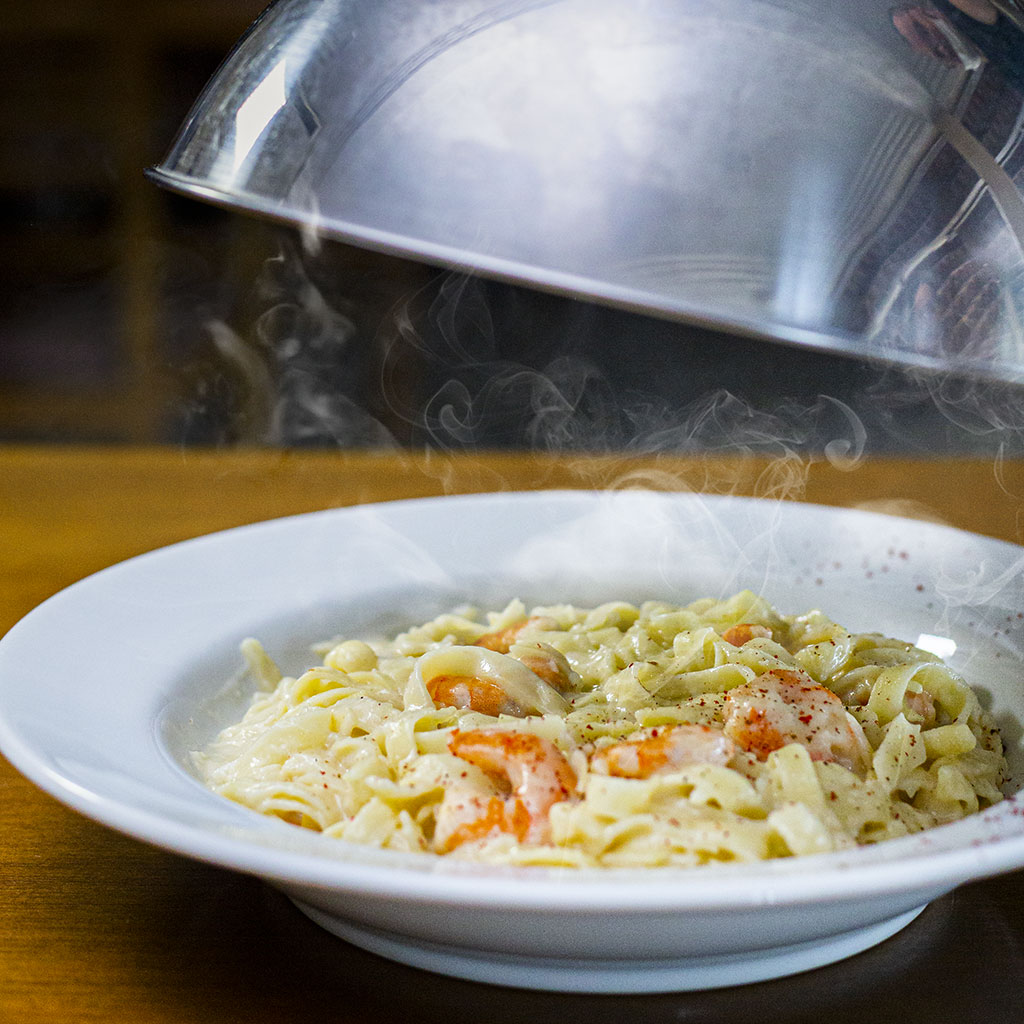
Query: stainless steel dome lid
point(842, 174)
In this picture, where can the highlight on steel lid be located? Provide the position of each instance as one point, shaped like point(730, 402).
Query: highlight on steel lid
point(840, 174)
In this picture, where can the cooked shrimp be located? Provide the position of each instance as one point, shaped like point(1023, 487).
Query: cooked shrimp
point(552, 666)
point(921, 707)
point(663, 750)
point(739, 634)
point(533, 768)
point(479, 679)
point(545, 661)
point(472, 693)
point(501, 640)
point(782, 707)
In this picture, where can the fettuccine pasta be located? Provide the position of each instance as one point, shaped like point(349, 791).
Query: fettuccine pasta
point(619, 735)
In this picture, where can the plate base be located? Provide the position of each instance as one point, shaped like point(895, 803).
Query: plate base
point(610, 976)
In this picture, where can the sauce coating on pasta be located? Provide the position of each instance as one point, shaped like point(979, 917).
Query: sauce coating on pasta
point(621, 735)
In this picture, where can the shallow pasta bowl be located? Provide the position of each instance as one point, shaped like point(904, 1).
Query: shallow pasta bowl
point(107, 687)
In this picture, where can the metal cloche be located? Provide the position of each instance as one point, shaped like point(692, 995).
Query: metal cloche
point(842, 174)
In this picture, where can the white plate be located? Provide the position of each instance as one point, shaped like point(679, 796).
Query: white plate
point(106, 687)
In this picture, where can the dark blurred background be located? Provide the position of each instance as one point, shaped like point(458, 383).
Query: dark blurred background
point(131, 315)
point(96, 262)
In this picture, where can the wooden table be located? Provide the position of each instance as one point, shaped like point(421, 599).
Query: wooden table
point(95, 926)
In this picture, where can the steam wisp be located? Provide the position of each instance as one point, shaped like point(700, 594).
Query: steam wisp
point(458, 364)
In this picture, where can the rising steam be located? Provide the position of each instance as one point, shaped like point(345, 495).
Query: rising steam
point(298, 378)
point(458, 364)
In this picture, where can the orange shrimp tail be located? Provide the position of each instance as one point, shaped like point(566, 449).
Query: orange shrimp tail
point(517, 819)
point(500, 817)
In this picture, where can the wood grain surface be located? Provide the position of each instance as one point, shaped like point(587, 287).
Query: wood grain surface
point(95, 926)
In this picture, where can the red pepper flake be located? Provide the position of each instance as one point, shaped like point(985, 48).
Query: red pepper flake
point(806, 719)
